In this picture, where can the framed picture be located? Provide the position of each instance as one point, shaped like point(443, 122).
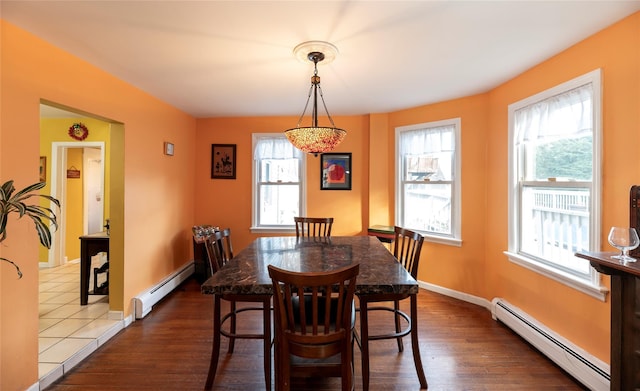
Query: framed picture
point(335, 171)
point(168, 149)
point(43, 168)
point(223, 161)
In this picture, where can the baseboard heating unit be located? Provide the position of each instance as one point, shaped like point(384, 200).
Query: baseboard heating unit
point(587, 369)
point(145, 301)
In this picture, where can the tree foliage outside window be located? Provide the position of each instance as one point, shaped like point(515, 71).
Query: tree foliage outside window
point(565, 158)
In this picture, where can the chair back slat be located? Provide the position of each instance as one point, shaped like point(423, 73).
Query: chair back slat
point(219, 248)
point(313, 308)
point(318, 227)
point(407, 248)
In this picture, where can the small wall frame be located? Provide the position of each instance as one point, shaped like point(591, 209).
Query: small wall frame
point(335, 171)
point(223, 161)
point(168, 148)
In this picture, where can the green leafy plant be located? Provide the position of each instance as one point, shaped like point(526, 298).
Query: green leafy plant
point(12, 201)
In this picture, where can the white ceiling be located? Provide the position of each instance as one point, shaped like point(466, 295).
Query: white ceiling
point(234, 58)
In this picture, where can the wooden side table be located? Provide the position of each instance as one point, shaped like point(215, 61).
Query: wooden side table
point(384, 233)
point(625, 324)
point(90, 245)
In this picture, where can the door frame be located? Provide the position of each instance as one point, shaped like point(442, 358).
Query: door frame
point(59, 189)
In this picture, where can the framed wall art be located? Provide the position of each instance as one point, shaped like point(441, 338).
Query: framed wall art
point(43, 169)
point(335, 171)
point(223, 161)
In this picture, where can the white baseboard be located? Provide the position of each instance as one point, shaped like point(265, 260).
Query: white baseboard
point(144, 302)
point(584, 367)
point(456, 295)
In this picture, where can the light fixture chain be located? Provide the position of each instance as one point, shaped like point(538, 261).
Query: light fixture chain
point(305, 107)
point(325, 107)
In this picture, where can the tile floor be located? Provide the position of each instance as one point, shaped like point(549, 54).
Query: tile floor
point(69, 332)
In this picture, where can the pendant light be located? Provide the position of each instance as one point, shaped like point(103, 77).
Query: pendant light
point(315, 139)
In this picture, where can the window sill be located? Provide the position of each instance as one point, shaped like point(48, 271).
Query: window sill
point(273, 230)
point(442, 240)
point(596, 291)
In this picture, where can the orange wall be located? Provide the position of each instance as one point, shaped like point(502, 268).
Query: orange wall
point(157, 196)
point(227, 202)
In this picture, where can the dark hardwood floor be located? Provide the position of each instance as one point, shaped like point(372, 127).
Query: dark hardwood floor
point(462, 349)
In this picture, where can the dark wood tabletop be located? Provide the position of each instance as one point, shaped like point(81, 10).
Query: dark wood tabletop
point(247, 272)
point(602, 261)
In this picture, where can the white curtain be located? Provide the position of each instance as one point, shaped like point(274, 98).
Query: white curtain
point(424, 141)
point(565, 115)
point(275, 148)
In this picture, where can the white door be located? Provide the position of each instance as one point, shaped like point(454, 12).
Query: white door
point(93, 191)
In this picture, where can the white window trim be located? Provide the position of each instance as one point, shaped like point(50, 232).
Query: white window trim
point(276, 229)
point(593, 287)
point(456, 219)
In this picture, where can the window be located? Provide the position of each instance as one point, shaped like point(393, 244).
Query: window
point(554, 176)
point(278, 183)
point(428, 179)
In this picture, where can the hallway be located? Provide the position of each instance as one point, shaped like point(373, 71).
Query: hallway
point(69, 332)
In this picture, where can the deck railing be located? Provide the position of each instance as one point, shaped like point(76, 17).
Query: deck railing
point(556, 224)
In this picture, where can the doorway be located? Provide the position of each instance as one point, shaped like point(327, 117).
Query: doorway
point(111, 159)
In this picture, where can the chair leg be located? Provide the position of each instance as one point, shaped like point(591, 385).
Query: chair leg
point(215, 350)
point(364, 343)
point(285, 369)
point(396, 307)
point(352, 364)
point(347, 373)
point(277, 361)
point(266, 320)
point(415, 346)
point(232, 326)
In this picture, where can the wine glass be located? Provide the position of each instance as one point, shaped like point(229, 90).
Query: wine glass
point(624, 239)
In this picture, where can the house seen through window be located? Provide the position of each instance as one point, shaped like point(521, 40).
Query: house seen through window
point(428, 179)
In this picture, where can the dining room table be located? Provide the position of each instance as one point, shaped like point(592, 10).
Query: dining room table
point(380, 273)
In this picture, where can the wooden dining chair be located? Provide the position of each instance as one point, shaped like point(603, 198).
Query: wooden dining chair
point(406, 249)
point(202, 263)
point(308, 227)
point(219, 252)
point(314, 322)
point(223, 251)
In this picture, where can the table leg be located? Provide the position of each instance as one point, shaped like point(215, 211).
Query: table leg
point(414, 342)
point(215, 351)
point(85, 269)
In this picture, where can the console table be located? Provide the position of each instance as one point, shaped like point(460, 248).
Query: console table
point(625, 323)
point(384, 233)
point(90, 245)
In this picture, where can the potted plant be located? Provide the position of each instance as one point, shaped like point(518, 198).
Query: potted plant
point(12, 201)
